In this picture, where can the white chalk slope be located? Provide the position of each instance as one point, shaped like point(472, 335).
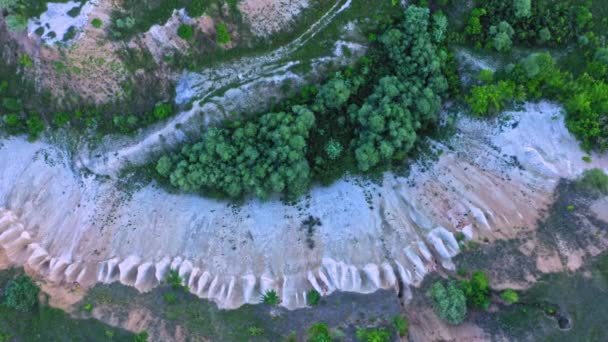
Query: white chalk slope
point(71, 227)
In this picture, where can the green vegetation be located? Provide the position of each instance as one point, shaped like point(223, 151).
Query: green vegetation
point(185, 32)
point(594, 181)
point(271, 297)
point(319, 332)
point(21, 293)
point(23, 318)
point(477, 290)
point(450, 303)
point(375, 108)
point(97, 23)
point(222, 35)
point(174, 280)
point(401, 325)
point(510, 296)
point(373, 335)
point(313, 297)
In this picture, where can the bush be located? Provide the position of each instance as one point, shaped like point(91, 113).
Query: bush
point(222, 35)
point(185, 32)
point(97, 23)
point(35, 127)
point(21, 293)
point(401, 324)
point(163, 111)
point(271, 298)
point(170, 298)
point(141, 337)
point(174, 280)
point(450, 303)
point(477, 290)
point(319, 332)
point(313, 297)
point(594, 181)
point(510, 296)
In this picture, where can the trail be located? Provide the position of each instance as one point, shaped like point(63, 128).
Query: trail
point(234, 86)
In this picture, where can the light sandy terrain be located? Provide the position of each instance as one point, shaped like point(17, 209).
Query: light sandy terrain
point(70, 227)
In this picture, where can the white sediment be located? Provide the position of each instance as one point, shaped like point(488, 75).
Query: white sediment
point(72, 227)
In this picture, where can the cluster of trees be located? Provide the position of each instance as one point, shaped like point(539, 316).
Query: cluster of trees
point(21, 293)
point(262, 156)
point(498, 23)
point(360, 119)
point(538, 76)
point(408, 100)
point(453, 300)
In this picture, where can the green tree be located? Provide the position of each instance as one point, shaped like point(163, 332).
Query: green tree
point(502, 36)
point(16, 22)
point(544, 35)
point(185, 32)
point(35, 127)
point(477, 290)
point(271, 297)
point(450, 303)
point(401, 324)
point(333, 149)
point(21, 293)
point(313, 297)
point(594, 181)
point(523, 8)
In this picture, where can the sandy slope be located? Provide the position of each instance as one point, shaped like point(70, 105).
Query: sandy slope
point(70, 227)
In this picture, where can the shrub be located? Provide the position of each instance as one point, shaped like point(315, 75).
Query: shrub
point(450, 303)
point(174, 280)
point(256, 331)
point(271, 298)
point(401, 324)
point(21, 293)
point(170, 298)
point(594, 181)
point(35, 126)
point(163, 111)
point(61, 119)
point(373, 335)
point(333, 149)
point(222, 35)
point(26, 61)
point(97, 23)
point(477, 290)
point(313, 297)
point(141, 337)
point(510, 296)
point(88, 307)
point(319, 332)
point(185, 32)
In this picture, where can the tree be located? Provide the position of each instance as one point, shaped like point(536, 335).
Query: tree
point(450, 303)
point(601, 55)
point(21, 293)
point(313, 297)
point(523, 8)
point(185, 32)
point(544, 35)
point(271, 298)
point(502, 36)
point(594, 181)
point(16, 23)
point(164, 166)
point(333, 149)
